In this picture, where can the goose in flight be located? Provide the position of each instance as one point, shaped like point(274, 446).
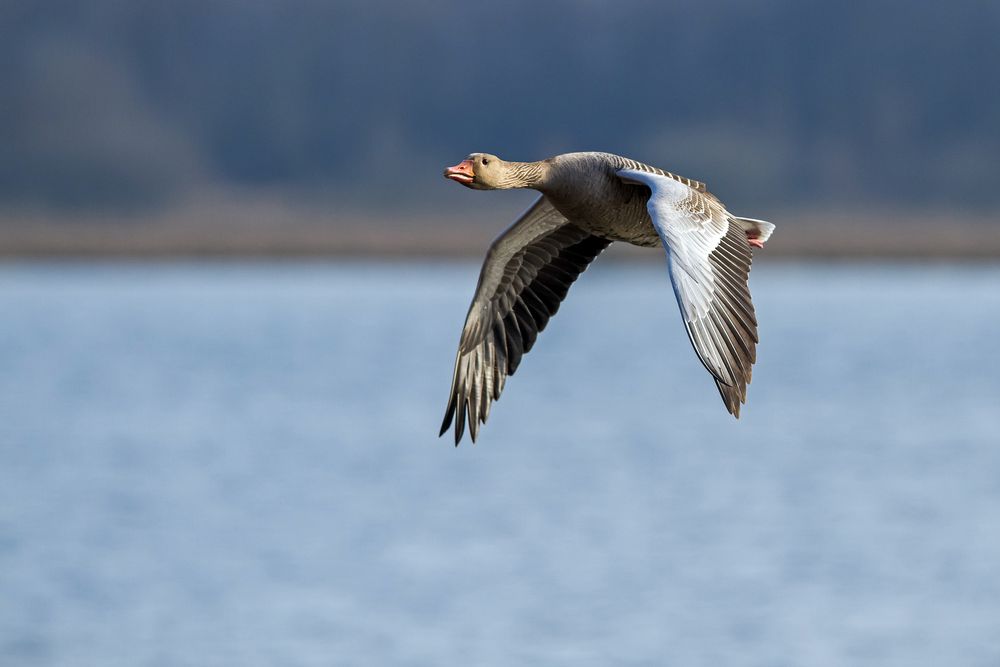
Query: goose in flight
point(589, 200)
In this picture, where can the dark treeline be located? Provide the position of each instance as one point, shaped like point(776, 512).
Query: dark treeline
point(111, 103)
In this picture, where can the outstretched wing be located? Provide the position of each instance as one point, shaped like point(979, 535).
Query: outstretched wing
point(526, 275)
point(709, 260)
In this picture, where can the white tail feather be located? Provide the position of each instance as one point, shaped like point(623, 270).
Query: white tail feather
point(761, 228)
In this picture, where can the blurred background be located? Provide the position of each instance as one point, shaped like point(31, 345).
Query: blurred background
point(233, 279)
point(322, 127)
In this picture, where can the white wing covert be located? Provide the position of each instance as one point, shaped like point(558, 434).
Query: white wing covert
point(709, 261)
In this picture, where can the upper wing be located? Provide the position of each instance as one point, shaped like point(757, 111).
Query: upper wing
point(525, 277)
point(709, 260)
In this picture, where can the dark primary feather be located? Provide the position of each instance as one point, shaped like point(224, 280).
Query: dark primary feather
point(732, 322)
point(526, 275)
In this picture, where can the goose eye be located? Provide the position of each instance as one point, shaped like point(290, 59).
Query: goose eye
point(485, 162)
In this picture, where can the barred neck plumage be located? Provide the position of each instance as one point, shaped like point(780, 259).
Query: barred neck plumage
point(525, 174)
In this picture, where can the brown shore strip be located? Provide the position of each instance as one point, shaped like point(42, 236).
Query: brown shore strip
point(232, 233)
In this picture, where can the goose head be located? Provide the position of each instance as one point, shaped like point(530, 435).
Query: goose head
point(480, 171)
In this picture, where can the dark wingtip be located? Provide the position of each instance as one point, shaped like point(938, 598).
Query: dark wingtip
point(460, 422)
point(446, 424)
point(732, 397)
point(459, 425)
point(449, 412)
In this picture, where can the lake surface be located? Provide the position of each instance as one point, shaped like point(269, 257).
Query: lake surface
point(239, 465)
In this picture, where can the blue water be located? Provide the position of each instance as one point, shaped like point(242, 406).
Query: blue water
point(238, 465)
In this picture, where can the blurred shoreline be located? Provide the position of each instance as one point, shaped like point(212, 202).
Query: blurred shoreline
point(276, 230)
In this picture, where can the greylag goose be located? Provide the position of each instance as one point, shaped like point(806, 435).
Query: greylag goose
point(589, 200)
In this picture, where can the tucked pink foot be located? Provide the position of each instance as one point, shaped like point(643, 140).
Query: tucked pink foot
point(756, 243)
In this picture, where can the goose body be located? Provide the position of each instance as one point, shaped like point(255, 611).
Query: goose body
point(588, 201)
